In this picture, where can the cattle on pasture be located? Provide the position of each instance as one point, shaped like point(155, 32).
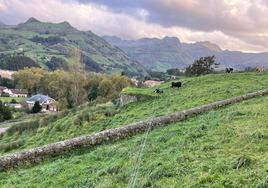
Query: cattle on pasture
point(176, 84)
point(259, 69)
point(229, 70)
point(158, 91)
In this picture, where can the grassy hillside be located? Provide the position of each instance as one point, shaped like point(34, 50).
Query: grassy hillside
point(53, 46)
point(90, 119)
point(223, 148)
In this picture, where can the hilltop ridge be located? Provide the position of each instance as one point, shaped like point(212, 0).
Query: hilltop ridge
point(169, 52)
point(60, 46)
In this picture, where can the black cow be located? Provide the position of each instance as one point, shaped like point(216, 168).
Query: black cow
point(229, 70)
point(158, 91)
point(176, 84)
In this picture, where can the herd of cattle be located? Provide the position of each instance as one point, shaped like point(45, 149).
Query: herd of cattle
point(179, 84)
point(257, 69)
point(173, 85)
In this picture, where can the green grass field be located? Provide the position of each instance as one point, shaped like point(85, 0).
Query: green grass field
point(9, 99)
point(195, 92)
point(199, 152)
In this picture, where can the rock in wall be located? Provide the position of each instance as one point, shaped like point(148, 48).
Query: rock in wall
point(126, 99)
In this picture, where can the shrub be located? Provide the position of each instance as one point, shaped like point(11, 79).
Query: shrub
point(13, 101)
point(36, 108)
point(5, 112)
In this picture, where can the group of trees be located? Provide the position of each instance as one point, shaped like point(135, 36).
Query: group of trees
point(6, 82)
point(71, 88)
point(204, 65)
point(50, 40)
point(16, 62)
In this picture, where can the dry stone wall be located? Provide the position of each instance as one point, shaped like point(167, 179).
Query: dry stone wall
point(126, 99)
point(38, 154)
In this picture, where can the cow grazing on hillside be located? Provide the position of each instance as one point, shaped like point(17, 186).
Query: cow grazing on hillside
point(229, 70)
point(158, 91)
point(176, 84)
point(259, 69)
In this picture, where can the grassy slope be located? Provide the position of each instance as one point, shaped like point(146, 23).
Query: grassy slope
point(199, 152)
point(195, 92)
point(9, 99)
point(112, 60)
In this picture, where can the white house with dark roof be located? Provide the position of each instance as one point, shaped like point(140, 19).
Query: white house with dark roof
point(48, 104)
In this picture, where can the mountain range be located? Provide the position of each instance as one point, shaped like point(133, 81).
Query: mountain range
point(61, 46)
point(169, 52)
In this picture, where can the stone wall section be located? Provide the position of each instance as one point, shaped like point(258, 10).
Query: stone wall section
point(36, 155)
point(126, 99)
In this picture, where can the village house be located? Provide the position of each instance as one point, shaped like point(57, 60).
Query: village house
point(13, 92)
point(14, 105)
point(48, 104)
point(2, 89)
point(19, 93)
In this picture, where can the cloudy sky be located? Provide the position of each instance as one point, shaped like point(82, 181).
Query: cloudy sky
point(233, 24)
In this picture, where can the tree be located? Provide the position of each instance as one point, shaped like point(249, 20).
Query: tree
point(30, 79)
point(5, 112)
point(36, 108)
point(204, 65)
point(13, 101)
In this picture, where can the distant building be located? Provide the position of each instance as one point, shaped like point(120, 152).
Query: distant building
point(135, 81)
point(152, 83)
point(14, 105)
point(14, 92)
point(2, 89)
point(48, 104)
point(19, 93)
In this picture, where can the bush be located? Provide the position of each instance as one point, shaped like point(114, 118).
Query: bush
point(13, 101)
point(5, 112)
point(36, 108)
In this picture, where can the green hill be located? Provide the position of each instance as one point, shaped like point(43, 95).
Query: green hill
point(60, 46)
point(222, 148)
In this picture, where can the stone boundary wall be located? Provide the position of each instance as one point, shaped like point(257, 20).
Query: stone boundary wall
point(36, 155)
point(126, 99)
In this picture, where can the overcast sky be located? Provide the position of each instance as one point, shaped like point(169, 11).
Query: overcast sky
point(233, 24)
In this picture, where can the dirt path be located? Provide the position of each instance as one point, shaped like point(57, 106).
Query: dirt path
point(4, 126)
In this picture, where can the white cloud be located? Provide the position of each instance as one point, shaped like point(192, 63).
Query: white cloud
point(247, 30)
point(2, 6)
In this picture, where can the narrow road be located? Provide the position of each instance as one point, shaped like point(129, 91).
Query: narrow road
point(4, 126)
